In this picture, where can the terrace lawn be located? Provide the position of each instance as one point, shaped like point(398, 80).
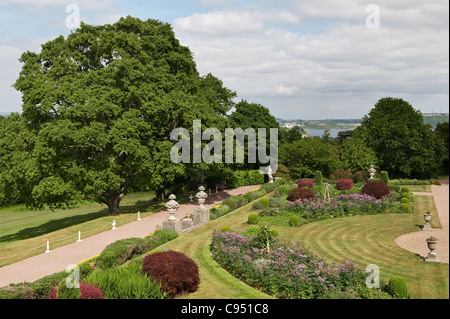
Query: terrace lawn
point(363, 239)
point(22, 230)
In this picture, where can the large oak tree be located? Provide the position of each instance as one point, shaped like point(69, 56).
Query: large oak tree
point(403, 144)
point(102, 103)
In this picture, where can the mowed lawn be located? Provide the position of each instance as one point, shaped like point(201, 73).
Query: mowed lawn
point(363, 239)
point(24, 233)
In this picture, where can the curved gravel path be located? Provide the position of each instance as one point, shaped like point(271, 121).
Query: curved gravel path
point(60, 258)
point(416, 242)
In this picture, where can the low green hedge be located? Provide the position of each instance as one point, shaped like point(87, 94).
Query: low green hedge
point(234, 202)
point(123, 250)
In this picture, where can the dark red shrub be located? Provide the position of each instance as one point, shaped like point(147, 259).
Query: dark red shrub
point(177, 273)
point(376, 189)
point(344, 184)
point(309, 184)
point(87, 291)
point(341, 174)
point(52, 294)
point(300, 193)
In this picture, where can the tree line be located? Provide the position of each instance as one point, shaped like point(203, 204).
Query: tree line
point(99, 106)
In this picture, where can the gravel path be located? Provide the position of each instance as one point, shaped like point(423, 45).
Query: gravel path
point(59, 259)
point(416, 242)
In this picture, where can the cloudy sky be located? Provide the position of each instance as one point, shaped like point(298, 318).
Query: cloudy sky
point(303, 59)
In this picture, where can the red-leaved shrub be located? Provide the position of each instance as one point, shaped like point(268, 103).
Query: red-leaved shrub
point(309, 184)
point(177, 273)
point(344, 184)
point(376, 189)
point(300, 193)
point(87, 291)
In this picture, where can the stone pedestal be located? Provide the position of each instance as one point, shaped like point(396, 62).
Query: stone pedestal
point(432, 245)
point(201, 215)
point(174, 225)
point(432, 258)
point(427, 227)
point(186, 223)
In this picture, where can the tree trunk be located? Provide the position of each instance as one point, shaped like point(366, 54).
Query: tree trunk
point(113, 204)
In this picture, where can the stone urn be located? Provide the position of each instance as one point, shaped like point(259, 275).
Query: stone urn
point(432, 245)
point(428, 216)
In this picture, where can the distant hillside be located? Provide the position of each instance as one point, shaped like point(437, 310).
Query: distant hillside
point(434, 119)
point(349, 124)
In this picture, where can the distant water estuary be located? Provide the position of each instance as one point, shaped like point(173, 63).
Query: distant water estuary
point(319, 133)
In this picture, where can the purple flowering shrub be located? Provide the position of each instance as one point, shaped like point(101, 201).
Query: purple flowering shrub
point(287, 271)
point(346, 204)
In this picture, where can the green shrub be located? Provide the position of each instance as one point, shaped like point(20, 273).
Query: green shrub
point(252, 230)
point(384, 176)
point(264, 201)
point(234, 202)
point(294, 221)
point(236, 179)
point(160, 237)
point(118, 252)
point(67, 293)
point(405, 208)
point(225, 229)
point(274, 233)
point(276, 201)
point(121, 251)
point(258, 205)
point(404, 189)
point(318, 179)
point(406, 195)
point(397, 287)
point(253, 219)
point(404, 200)
point(268, 187)
point(126, 282)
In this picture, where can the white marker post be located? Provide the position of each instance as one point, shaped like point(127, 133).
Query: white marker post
point(79, 237)
point(139, 216)
point(114, 224)
point(48, 247)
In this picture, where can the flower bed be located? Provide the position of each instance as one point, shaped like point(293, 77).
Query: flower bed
point(339, 206)
point(286, 269)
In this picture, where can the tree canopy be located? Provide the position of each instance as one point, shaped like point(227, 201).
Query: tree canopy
point(102, 103)
point(403, 144)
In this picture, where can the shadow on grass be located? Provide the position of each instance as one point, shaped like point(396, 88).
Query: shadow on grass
point(53, 225)
point(61, 223)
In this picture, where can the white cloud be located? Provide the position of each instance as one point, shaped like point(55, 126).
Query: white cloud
point(346, 65)
point(220, 23)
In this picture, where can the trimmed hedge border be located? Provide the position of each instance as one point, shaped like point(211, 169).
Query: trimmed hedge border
point(234, 202)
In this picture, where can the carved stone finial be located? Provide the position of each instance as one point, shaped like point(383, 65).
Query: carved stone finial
point(201, 196)
point(172, 206)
